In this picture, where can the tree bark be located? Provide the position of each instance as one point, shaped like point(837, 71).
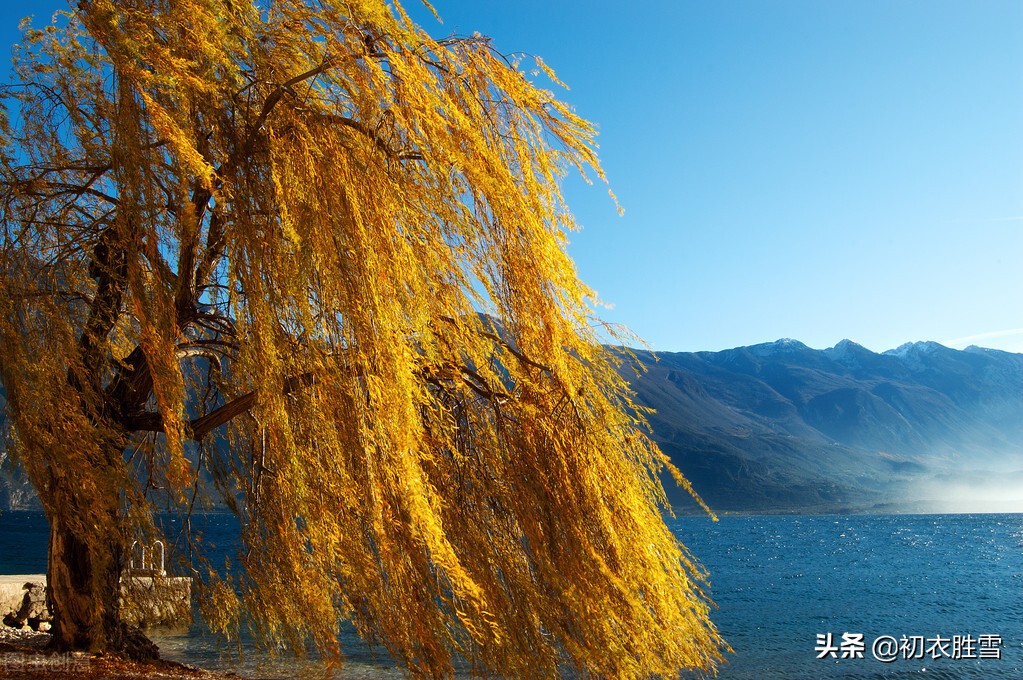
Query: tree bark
point(85, 558)
point(83, 587)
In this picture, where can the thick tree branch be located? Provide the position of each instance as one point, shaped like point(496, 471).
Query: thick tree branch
point(375, 138)
point(55, 189)
point(109, 266)
point(505, 344)
point(185, 299)
point(197, 428)
point(193, 270)
point(200, 427)
point(274, 98)
point(214, 251)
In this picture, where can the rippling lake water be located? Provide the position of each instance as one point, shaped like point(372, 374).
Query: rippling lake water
point(781, 581)
point(953, 581)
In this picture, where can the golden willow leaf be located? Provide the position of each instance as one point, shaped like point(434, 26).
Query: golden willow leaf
point(245, 253)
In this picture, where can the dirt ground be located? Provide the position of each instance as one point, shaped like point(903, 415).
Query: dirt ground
point(24, 656)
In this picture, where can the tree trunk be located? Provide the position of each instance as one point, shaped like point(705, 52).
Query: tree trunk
point(83, 588)
point(86, 547)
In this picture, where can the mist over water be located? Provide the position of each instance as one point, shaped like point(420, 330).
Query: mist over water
point(998, 489)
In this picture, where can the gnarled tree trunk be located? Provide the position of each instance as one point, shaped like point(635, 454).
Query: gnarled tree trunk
point(83, 587)
point(85, 558)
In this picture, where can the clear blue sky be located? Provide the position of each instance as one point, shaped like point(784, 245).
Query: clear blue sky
point(814, 169)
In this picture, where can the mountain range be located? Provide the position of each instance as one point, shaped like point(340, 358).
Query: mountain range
point(781, 427)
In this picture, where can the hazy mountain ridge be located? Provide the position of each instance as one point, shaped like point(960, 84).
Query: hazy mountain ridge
point(16, 491)
point(780, 426)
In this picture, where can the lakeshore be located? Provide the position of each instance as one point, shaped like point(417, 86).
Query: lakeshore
point(25, 655)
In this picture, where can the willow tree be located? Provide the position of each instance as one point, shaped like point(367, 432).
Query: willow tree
point(277, 227)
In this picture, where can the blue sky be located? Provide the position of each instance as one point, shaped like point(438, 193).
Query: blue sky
point(818, 170)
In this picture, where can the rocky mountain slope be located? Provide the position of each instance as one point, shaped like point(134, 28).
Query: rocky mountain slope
point(15, 490)
point(782, 427)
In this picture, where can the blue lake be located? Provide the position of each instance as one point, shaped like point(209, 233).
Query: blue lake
point(947, 588)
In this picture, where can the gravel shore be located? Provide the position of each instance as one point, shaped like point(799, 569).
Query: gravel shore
point(24, 656)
